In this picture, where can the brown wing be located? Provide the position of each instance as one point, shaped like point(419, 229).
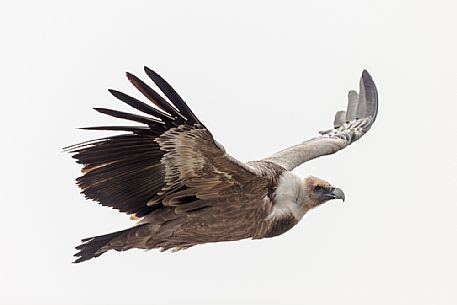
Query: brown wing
point(170, 160)
point(195, 165)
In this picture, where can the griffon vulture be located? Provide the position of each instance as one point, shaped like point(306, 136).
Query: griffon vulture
point(171, 175)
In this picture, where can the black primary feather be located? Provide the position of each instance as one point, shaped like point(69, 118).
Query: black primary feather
point(128, 116)
point(172, 95)
point(133, 102)
point(154, 97)
point(134, 129)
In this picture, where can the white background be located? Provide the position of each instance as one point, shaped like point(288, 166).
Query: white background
point(261, 76)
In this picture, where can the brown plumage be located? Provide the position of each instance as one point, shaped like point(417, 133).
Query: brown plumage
point(184, 189)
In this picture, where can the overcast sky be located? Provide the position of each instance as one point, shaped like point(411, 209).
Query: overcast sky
point(261, 76)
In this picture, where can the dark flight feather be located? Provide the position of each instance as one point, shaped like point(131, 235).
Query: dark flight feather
point(154, 97)
point(133, 102)
point(172, 95)
point(122, 172)
point(128, 116)
point(134, 129)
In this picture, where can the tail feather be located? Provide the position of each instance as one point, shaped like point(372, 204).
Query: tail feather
point(92, 247)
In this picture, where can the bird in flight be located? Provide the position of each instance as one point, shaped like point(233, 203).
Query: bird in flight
point(182, 187)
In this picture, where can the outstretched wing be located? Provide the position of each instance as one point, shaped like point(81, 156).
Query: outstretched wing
point(171, 159)
point(349, 126)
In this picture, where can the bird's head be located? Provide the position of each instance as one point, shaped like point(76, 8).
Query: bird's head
point(319, 191)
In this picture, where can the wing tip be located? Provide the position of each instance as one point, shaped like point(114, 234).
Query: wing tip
point(366, 77)
point(129, 75)
point(371, 93)
point(151, 73)
point(368, 97)
point(114, 92)
point(132, 78)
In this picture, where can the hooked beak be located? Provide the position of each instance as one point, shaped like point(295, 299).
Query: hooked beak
point(336, 193)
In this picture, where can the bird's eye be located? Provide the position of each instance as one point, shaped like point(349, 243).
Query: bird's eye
point(319, 189)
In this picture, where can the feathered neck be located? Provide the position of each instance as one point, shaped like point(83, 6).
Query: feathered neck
point(289, 197)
